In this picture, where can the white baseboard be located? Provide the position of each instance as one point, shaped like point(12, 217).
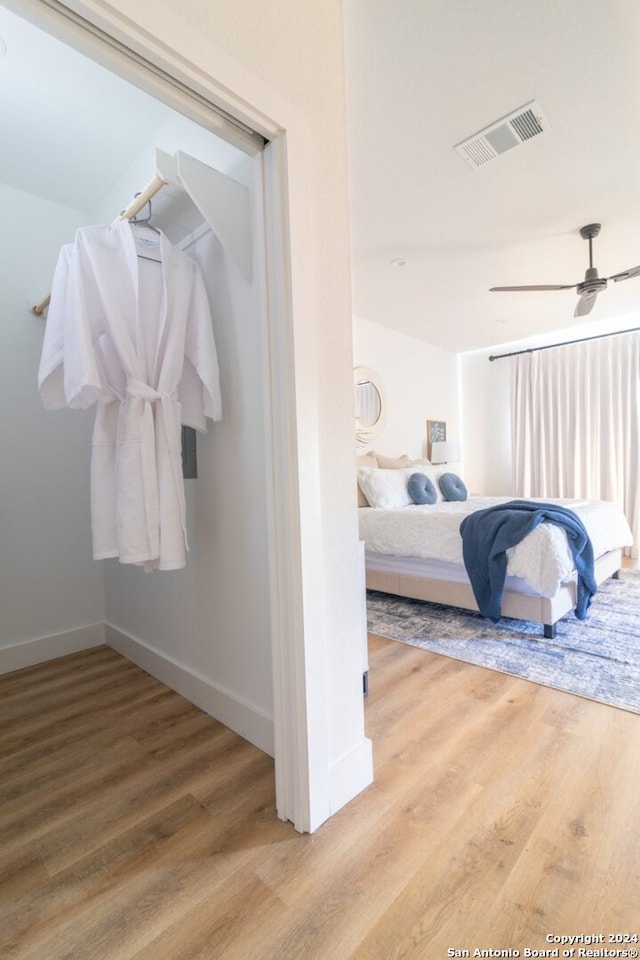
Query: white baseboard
point(349, 775)
point(241, 717)
point(30, 652)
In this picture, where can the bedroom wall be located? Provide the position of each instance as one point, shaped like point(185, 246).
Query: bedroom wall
point(486, 418)
point(51, 598)
point(420, 383)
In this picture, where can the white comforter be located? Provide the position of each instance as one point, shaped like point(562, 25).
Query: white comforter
point(543, 559)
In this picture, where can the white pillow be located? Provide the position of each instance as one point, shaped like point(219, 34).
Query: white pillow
point(387, 488)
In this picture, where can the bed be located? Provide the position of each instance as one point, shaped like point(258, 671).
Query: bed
point(416, 550)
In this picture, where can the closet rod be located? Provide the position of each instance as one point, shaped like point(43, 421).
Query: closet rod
point(142, 198)
point(134, 207)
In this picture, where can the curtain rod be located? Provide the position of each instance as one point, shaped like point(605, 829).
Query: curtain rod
point(565, 343)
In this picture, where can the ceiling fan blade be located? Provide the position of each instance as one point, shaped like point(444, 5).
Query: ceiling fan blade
point(543, 286)
point(626, 274)
point(585, 303)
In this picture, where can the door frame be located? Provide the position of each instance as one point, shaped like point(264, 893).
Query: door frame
point(142, 56)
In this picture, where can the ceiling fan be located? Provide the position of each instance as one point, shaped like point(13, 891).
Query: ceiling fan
point(590, 287)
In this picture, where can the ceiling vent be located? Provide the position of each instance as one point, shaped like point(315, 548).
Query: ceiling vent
point(511, 131)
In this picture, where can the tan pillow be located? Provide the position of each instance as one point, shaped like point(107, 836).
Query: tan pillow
point(365, 460)
point(393, 463)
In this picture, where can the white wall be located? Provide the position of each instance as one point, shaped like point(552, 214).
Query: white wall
point(48, 584)
point(423, 382)
point(486, 415)
point(420, 383)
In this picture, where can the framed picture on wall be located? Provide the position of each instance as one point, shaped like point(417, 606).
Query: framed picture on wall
point(436, 431)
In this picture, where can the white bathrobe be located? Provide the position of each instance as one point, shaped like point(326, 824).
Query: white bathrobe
point(135, 337)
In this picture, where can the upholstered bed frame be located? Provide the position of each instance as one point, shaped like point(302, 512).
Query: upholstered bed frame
point(522, 606)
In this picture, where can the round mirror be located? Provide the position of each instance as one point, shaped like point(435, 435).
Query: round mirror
point(369, 406)
point(368, 403)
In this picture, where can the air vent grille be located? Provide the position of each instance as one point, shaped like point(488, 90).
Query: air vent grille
point(511, 131)
point(527, 125)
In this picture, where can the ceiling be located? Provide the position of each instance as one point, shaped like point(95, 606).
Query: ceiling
point(70, 127)
point(423, 76)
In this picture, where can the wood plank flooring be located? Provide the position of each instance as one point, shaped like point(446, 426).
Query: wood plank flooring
point(135, 827)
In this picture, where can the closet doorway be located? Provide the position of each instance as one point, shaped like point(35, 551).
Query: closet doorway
point(207, 630)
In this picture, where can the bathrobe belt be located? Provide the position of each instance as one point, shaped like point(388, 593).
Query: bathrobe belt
point(159, 409)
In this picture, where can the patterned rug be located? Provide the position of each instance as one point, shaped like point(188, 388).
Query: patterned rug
point(597, 658)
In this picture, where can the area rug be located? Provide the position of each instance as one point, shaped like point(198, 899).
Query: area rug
point(598, 658)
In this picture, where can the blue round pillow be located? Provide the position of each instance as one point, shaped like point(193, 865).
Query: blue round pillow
point(421, 489)
point(452, 487)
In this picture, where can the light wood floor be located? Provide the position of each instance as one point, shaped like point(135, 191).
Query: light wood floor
point(134, 827)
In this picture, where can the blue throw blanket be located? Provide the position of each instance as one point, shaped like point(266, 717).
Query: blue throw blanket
point(488, 534)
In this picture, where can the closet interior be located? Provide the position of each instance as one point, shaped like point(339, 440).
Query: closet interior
point(99, 146)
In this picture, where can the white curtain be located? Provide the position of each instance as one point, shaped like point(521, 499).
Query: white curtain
point(575, 420)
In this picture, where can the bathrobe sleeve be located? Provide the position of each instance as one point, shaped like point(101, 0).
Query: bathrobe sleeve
point(50, 373)
point(200, 383)
point(68, 373)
